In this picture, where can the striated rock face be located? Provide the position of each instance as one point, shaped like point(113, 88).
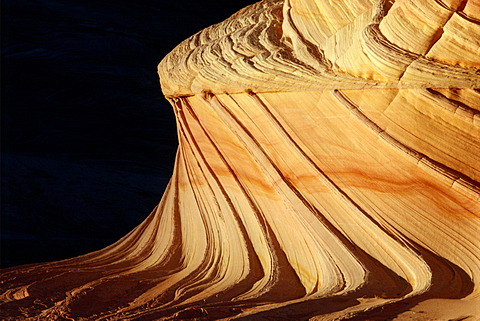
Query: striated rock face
point(328, 169)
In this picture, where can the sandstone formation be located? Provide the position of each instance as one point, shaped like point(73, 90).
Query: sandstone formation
point(328, 169)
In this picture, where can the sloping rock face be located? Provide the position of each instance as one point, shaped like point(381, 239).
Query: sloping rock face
point(327, 170)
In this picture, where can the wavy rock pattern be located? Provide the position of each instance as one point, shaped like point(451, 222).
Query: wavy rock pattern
point(327, 170)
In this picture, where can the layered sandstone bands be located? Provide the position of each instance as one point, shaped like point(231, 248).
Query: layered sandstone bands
point(327, 170)
point(314, 45)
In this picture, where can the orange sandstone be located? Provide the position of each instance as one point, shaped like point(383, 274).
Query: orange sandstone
point(328, 169)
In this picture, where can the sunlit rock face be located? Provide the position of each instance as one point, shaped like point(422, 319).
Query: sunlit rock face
point(328, 169)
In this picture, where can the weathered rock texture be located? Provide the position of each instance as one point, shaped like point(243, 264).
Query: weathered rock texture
point(328, 169)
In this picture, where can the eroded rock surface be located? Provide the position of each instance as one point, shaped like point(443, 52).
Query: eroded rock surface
point(327, 170)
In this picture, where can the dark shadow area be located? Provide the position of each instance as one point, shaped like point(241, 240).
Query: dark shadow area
point(88, 141)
